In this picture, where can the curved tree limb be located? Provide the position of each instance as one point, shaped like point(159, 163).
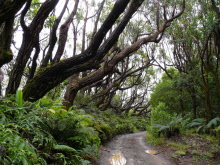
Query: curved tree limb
point(51, 77)
point(89, 59)
point(30, 37)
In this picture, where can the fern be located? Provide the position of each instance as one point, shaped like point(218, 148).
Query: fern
point(164, 127)
point(24, 161)
point(90, 151)
point(20, 151)
point(64, 148)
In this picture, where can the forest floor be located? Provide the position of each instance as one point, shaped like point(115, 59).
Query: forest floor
point(132, 149)
point(192, 149)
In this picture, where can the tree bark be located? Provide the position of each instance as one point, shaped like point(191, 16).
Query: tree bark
point(1, 79)
point(6, 37)
point(91, 57)
point(30, 37)
point(53, 38)
point(55, 74)
point(64, 32)
point(70, 95)
point(8, 9)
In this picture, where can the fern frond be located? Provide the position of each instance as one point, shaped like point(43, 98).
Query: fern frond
point(90, 151)
point(163, 128)
point(64, 148)
point(16, 139)
point(199, 120)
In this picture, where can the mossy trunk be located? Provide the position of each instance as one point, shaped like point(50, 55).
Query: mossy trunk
point(6, 37)
point(30, 39)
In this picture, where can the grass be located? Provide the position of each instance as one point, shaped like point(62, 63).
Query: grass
point(152, 140)
point(180, 149)
point(204, 154)
point(178, 154)
point(178, 146)
point(196, 159)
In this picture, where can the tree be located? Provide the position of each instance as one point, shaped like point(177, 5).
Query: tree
point(53, 70)
point(194, 51)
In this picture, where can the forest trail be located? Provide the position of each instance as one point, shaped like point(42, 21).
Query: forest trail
point(131, 149)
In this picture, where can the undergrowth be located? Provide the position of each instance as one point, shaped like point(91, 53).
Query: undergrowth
point(45, 133)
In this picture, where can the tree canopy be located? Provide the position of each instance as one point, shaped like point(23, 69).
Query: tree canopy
point(108, 49)
point(46, 42)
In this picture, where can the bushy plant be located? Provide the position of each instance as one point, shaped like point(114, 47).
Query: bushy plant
point(15, 149)
point(171, 129)
point(159, 116)
point(202, 126)
point(49, 134)
point(45, 133)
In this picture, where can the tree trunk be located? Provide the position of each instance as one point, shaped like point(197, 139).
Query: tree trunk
point(91, 57)
point(194, 102)
point(30, 37)
point(9, 8)
point(54, 75)
point(6, 37)
point(70, 95)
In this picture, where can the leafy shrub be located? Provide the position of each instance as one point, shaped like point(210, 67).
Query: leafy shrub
point(45, 133)
point(53, 134)
point(171, 129)
point(202, 126)
point(15, 149)
point(159, 116)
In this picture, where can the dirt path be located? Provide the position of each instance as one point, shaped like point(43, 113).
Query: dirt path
point(131, 149)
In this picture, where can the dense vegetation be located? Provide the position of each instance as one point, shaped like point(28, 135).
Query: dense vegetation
point(188, 92)
point(89, 70)
point(45, 133)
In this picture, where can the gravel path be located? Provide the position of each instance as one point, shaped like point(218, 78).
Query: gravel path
point(131, 149)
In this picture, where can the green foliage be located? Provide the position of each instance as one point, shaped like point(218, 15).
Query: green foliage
point(202, 126)
point(35, 5)
point(214, 122)
point(162, 122)
point(110, 124)
point(19, 98)
point(54, 135)
point(15, 149)
point(45, 133)
point(160, 115)
point(49, 22)
point(174, 93)
point(171, 129)
point(64, 148)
